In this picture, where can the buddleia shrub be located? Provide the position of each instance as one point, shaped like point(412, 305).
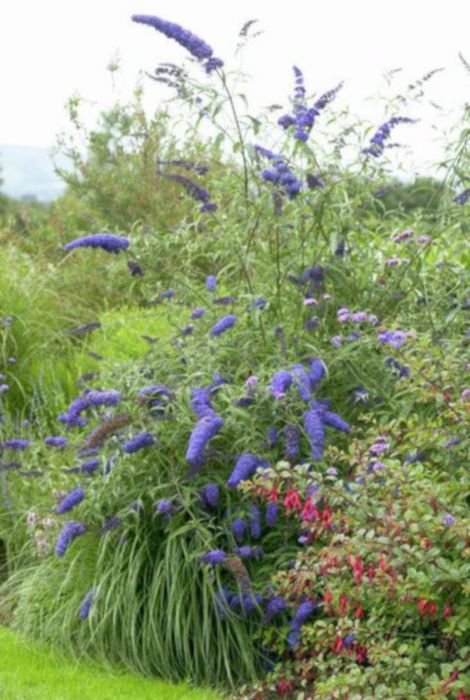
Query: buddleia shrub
point(266, 425)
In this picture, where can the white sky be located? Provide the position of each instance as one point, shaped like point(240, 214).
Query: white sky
point(50, 49)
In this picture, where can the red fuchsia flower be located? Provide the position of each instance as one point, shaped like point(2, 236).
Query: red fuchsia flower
point(292, 500)
point(284, 687)
point(422, 606)
point(359, 612)
point(343, 605)
point(361, 656)
point(338, 645)
point(310, 511)
point(447, 612)
point(326, 517)
point(327, 600)
point(432, 609)
point(371, 571)
point(358, 569)
point(273, 495)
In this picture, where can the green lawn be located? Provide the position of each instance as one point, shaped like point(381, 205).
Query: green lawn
point(28, 671)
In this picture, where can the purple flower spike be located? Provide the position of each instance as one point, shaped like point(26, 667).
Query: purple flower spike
point(292, 440)
point(138, 442)
point(238, 529)
point(189, 41)
point(223, 324)
point(71, 500)
point(107, 241)
point(211, 283)
point(280, 383)
point(56, 441)
point(245, 466)
point(69, 532)
point(317, 371)
point(315, 432)
point(216, 556)
point(448, 520)
point(273, 608)
point(198, 312)
point(206, 428)
point(254, 519)
point(210, 495)
point(272, 513)
point(14, 444)
point(335, 421)
point(85, 607)
point(164, 506)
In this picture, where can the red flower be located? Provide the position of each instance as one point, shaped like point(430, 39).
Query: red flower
point(338, 645)
point(343, 604)
point(273, 495)
point(327, 598)
point(285, 687)
point(371, 571)
point(361, 656)
point(358, 569)
point(432, 609)
point(422, 606)
point(447, 612)
point(359, 612)
point(310, 511)
point(292, 500)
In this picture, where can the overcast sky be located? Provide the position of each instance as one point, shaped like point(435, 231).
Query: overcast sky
point(50, 49)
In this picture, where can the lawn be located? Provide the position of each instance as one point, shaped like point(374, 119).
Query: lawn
point(28, 671)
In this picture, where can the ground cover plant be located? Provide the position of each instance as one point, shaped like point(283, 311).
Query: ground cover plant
point(260, 481)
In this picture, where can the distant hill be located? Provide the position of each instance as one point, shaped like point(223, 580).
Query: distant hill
point(28, 172)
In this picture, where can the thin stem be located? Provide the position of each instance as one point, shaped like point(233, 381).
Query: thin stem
point(239, 131)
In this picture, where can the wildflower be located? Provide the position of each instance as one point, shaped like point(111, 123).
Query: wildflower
point(216, 556)
point(302, 381)
point(465, 396)
point(392, 262)
point(4, 388)
point(56, 441)
point(15, 444)
point(377, 142)
point(272, 436)
point(462, 197)
point(423, 240)
point(292, 440)
point(223, 325)
point(84, 611)
point(210, 495)
point(69, 532)
point(448, 520)
point(310, 301)
point(138, 442)
point(358, 317)
point(206, 428)
point(303, 612)
point(254, 520)
point(245, 467)
point(315, 432)
point(274, 607)
point(198, 312)
point(280, 382)
point(272, 513)
point(71, 500)
point(224, 301)
point(107, 241)
point(332, 471)
point(252, 381)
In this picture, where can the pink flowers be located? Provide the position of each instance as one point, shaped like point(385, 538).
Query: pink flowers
point(292, 501)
